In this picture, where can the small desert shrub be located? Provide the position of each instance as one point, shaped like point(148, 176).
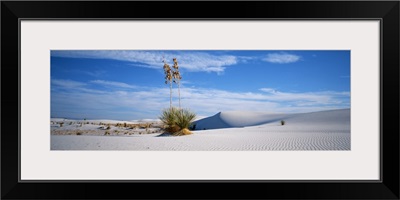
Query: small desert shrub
point(61, 124)
point(78, 133)
point(108, 127)
point(176, 120)
point(147, 125)
point(107, 133)
point(283, 122)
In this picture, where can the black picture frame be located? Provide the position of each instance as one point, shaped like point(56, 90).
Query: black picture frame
point(386, 11)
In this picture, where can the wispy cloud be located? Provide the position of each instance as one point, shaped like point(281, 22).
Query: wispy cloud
point(67, 83)
point(96, 73)
point(316, 98)
point(75, 86)
point(281, 58)
point(112, 84)
point(192, 61)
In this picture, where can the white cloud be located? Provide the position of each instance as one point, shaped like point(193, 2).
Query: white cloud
point(96, 73)
point(282, 58)
point(192, 61)
point(70, 85)
point(313, 98)
point(67, 83)
point(268, 90)
point(112, 84)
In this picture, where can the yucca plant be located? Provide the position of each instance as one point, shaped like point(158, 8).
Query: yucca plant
point(176, 120)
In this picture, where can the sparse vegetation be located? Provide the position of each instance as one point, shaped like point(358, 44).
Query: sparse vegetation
point(177, 121)
point(283, 122)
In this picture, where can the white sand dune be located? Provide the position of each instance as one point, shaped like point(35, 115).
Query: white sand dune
point(234, 131)
point(237, 119)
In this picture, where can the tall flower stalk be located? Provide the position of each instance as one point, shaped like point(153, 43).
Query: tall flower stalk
point(177, 79)
point(168, 79)
point(176, 120)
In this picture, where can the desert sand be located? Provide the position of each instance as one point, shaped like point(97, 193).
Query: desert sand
point(225, 131)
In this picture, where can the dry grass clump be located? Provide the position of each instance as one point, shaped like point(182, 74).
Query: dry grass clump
point(182, 132)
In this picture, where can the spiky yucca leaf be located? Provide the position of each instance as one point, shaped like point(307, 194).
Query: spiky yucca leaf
point(168, 116)
point(184, 118)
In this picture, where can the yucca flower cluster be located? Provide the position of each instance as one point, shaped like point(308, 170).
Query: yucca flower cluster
point(173, 76)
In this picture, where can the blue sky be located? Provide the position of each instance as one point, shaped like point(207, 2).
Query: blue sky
point(129, 85)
